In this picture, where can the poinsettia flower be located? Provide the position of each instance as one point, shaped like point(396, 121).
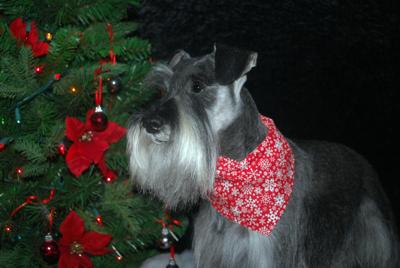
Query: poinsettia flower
point(89, 146)
point(19, 30)
point(76, 244)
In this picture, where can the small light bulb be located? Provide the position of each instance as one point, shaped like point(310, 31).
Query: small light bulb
point(49, 36)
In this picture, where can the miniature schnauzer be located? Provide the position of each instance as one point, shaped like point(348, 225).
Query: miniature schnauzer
point(266, 201)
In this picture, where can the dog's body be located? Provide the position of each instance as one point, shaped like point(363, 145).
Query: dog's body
point(337, 215)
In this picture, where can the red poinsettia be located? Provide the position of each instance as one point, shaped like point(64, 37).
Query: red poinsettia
point(29, 38)
point(76, 244)
point(89, 146)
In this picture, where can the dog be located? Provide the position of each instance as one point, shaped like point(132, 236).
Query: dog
point(265, 200)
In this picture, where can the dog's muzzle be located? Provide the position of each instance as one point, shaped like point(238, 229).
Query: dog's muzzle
point(157, 129)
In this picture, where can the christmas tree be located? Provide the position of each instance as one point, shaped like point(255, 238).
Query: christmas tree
point(70, 78)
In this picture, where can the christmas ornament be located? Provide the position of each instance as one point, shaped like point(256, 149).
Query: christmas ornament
point(172, 262)
point(99, 119)
point(88, 145)
point(49, 250)
point(76, 244)
point(29, 36)
point(114, 85)
point(165, 241)
point(255, 191)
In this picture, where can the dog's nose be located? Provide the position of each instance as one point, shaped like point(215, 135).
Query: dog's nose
point(153, 125)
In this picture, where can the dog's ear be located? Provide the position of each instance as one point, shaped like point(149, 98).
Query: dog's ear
point(232, 63)
point(178, 56)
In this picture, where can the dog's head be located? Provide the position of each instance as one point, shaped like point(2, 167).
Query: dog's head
point(173, 144)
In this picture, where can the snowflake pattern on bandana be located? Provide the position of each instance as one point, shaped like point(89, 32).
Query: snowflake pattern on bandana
point(254, 192)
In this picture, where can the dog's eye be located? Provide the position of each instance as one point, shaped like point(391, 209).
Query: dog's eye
point(197, 86)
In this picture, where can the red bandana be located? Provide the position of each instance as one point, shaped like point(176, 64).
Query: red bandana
point(255, 191)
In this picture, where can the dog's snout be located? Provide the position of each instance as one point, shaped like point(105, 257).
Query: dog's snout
point(153, 125)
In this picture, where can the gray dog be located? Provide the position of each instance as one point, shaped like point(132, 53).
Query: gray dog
point(266, 201)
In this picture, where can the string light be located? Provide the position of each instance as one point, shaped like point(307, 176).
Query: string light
point(49, 36)
point(73, 89)
point(119, 256)
point(99, 220)
point(38, 69)
point(19, 171)
point(61, 149)
point(8, 228)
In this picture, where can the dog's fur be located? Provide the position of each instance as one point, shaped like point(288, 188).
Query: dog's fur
point(338, 216)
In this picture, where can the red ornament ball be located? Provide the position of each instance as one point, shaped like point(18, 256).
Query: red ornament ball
point(49, 250)
point(99, 121)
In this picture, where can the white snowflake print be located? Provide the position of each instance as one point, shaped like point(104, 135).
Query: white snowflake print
point(236, 211)
point(252, 220)
point(279, 199)
point(272, 217)
point(258, 190)
point(247, 189)
point(287, 188)
point(243, 164)
point(227, 185)
point(268, 152)
point(251, 203)
point(278, 145)
point(235, 192)
point(264, 164)
point(239, 202)
point(269, 185)
point(258, 212)
point(266, 199)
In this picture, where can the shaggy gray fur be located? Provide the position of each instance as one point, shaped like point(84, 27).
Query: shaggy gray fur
point(338, 216)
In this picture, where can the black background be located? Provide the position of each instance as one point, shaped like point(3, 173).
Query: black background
point(327, 70)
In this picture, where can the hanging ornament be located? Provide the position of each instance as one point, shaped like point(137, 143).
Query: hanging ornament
point(49, 250)
point(172, 262)
point(114, 84)
point(99, 119)
point(89, 146)
point(165, 241)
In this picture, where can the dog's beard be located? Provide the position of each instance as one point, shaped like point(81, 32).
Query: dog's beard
point(179, 171)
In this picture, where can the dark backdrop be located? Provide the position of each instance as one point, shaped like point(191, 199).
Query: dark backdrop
point(327, 69)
